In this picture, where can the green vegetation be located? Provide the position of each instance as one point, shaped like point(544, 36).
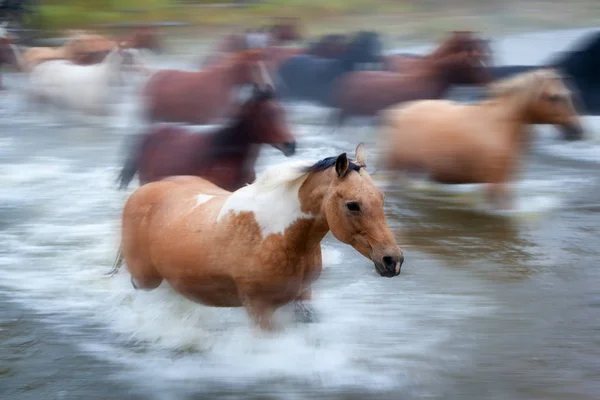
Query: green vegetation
point(68, 14)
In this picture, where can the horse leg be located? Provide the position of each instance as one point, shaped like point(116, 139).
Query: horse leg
point(261, 312)
point(498, 191)
point(304, 312)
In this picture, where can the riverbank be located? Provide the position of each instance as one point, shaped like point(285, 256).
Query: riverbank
point(406, 20)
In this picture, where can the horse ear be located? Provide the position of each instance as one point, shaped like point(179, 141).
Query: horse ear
point(341, 165)
point(361, 155)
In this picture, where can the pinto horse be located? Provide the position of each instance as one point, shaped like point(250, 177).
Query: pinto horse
point(365, 93)
point(478, 143)
point(225, 156)
point(260, 246)
point(310, 78)
point(580, 64)
point(202, 97)
point(455, 42)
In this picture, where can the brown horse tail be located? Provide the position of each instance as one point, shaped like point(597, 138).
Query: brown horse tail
point(132, 161)
point(117, 264)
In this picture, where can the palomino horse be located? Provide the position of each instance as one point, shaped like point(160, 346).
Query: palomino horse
point(310, 78)
point(225, 156)
point(581, 64)
point(456, 42)
point(202, 97)
point(365, 93)
point(82, 87)
point(260, 246)
point(478, 143)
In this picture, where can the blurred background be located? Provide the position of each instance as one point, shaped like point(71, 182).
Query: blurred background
point(490, 305)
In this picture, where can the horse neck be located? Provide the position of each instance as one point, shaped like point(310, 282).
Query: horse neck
point(514, 114)
point(231, 140)
point(434, 76)
point(310, 231)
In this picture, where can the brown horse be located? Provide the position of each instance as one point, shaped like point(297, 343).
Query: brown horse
point(365, 93)
point(478, 143)
point(225, 156)
point(202, 97)
point(455, 42)
point(260, 246)
point(277, 35)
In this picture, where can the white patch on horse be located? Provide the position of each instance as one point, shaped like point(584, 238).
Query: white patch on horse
point(272, 198)
point(202, 198)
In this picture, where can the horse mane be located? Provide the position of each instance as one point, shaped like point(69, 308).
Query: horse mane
point(526, 83)
point(294, 172)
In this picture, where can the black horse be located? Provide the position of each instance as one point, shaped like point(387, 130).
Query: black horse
point(306, 77)
point(581, 66)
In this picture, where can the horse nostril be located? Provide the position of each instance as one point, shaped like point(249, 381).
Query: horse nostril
point(393, 264)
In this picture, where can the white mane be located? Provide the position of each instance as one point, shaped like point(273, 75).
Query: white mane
point(281, 174)
point(272, 198)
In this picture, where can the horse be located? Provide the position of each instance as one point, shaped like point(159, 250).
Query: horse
point(86, 88)
point(225, 156)
point(365, 93)
point(259, 246)
point(9, 54)
point(480, 142)
point(455, 42)
point(90, 48)
point(310, 78)
point(581, 64)
point(201, 97)
point(278, 35)
point(328, 46)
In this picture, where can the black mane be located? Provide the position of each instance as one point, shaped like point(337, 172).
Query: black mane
point(329, 162)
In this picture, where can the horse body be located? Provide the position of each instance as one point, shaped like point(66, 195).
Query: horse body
point(86, 88)
point(310, 78)
point(365, 93)
point(200, 97)
point(225, 156)
point(258, 247)
point(477, 143)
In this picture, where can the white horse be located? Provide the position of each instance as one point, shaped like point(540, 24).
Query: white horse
point(87, 88)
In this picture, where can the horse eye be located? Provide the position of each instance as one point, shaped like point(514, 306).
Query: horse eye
point(353, 206)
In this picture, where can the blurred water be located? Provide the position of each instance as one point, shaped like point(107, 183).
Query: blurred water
point(494, 306)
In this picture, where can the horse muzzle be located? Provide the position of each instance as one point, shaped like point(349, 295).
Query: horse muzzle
point(572, 131)
point(390, 265)
point(287, 148)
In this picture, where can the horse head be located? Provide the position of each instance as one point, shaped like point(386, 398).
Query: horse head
point(353, 208)
point(465, 68)
point(544, 98)
point(264, 121)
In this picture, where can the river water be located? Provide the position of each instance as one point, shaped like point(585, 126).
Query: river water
point(489, 305)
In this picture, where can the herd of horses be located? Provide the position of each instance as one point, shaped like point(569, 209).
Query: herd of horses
point(218, 234)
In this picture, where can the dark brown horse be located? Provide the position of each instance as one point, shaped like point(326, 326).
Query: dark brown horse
point(202, 97)
point(329, 46)
point(455, 42)
point(365, 93)
point(226, 156)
